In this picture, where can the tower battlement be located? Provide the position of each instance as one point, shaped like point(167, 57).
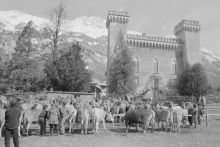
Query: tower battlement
point(154, 42)
point(187, 25)
point(153, 38)
point(117, 17)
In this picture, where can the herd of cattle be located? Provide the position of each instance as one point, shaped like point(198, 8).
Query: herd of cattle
point(145, 115)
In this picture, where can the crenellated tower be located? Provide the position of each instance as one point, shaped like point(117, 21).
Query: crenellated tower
point(187, 31)
point(116, 24)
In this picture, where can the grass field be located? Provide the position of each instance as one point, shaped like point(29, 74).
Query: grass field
point(115, 137)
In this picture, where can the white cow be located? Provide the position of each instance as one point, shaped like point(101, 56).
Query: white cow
point(98, 115)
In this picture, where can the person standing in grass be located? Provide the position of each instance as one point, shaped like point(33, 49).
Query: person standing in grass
point(195, 114)
point(12, 121)
point(53, 116)
point(42, 120)
point(62, 118)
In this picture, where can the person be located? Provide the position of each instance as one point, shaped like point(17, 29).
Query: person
point(53, 119)
point(62, 118)
point(195, 114)
point(200, 113)
point(190, 113)
point(42, 120)
point(12, 121)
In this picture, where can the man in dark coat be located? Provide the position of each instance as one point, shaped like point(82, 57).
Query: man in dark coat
point(42, 120)
point(12, 121)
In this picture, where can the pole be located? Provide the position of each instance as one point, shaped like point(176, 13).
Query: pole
point(206, 116)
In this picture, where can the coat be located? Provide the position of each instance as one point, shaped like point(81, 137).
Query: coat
point(53, 116)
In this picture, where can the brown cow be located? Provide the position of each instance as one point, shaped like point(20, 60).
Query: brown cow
point(140, 116)
point(164, 116)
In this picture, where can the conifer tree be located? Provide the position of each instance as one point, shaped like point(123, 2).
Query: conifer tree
point(193, 81)
point(70, 71)
point(121, 71)
point(23, 69)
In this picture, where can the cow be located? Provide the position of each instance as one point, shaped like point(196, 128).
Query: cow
point(164, 116)
point(177, 119)
point(140, 116)
point(98, 115)
point(87, 115)
point(71, 116)
point(29, 117)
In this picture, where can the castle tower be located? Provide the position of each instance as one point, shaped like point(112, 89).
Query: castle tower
point(116, 24)
point(187, 31)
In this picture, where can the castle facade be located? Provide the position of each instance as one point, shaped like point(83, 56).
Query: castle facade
point(158, 60)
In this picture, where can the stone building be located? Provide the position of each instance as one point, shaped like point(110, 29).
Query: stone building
point(158, 60)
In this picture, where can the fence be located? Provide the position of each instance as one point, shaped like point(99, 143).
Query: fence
point(211, 110)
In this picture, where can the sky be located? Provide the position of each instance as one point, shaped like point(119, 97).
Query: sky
point(153, 17)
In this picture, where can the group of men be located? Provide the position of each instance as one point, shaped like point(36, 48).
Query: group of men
point(55, 116)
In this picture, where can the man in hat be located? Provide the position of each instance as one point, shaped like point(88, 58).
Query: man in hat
point(12, 121)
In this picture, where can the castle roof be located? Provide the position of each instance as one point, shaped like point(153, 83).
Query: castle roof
point(187, 25)
point(153, 42)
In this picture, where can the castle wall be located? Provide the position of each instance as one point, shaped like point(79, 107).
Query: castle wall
point(192, 47)
point(187, 31)
point(146, 58)
point(115, 30)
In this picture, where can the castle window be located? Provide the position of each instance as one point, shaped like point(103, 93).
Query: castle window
point(136, 61)
point(173, 67)
point(137, 81)
point(155, 66)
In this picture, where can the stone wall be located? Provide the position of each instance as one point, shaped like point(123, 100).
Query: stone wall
point(36, 96)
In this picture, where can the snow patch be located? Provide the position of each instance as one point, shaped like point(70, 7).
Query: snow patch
point(209, 55)
point(92, 43)
point(134, 32)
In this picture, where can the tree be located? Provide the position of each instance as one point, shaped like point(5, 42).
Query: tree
point(23, 70)
point(51, 49)
point(193, 81)
point(121, 79)
point(3, 77)
point(57, 16)
point(70, 73)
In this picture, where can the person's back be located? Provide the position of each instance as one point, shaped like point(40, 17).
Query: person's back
point(12, 122)
point(53, 115)
point(53, 119)
point(12, 116)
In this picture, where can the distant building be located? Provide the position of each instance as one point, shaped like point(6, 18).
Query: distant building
point(158, 60)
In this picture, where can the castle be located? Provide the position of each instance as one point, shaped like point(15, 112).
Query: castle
point(158, 60)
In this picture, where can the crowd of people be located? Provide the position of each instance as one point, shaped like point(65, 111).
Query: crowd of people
point(55, 114)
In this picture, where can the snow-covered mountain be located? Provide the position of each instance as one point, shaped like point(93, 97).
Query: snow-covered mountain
point(91, 26)
point(89, 31)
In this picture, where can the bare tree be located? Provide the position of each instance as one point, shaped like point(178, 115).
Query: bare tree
point(57, 16)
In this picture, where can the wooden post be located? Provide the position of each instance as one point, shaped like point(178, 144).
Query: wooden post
point(206, 117)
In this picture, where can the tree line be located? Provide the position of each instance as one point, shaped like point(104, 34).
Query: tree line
point(53, 65)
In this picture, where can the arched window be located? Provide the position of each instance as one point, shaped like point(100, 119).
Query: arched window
point(155, 66)
point(136, 60)
point(173, 67)
point(137, 81)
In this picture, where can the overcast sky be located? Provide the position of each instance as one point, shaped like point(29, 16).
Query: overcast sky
point(154, 17)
